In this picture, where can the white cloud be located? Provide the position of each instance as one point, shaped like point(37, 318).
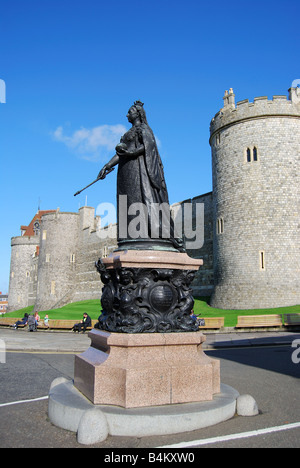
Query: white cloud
point(158, 142)
point(91, 143)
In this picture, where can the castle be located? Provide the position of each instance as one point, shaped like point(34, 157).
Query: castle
point(251, 249)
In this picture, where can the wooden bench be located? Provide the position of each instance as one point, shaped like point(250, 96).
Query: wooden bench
point(291, 319)
point(63, 324)
point(53, 324)
point(254, 321)
point(9, 321)
point(212, 323)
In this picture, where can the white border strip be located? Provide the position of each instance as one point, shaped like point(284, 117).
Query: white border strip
point(23, 401)
point(242, 435)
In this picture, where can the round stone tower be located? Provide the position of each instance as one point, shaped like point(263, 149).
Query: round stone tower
point(256, 188)
point(56, 267)
point(23, 248)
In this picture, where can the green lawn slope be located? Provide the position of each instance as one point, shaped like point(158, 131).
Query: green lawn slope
point(75, 311)
point(72, 311)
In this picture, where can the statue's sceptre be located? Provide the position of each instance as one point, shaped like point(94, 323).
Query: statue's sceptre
point(96, 180)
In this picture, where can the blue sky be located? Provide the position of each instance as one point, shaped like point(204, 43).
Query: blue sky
point(72, 69)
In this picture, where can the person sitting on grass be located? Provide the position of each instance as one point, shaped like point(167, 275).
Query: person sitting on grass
point(85, 323)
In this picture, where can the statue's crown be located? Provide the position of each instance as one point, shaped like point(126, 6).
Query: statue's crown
point(138, 103)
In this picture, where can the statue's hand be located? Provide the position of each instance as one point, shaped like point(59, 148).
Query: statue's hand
point(102, 173)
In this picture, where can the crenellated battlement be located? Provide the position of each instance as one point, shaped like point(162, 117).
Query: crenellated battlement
point(24, 240)
point(261, 107)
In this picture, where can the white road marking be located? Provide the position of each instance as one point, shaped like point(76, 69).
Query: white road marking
point(23, 401)
point(242, 435)
point(195, 443)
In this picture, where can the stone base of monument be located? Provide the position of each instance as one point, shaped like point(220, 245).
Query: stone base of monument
point(141, 385)
point(146, 369)
point(145, 372)
point(69, 409)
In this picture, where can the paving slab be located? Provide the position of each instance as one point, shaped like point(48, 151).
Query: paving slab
point(64, 342)
point(44, 341)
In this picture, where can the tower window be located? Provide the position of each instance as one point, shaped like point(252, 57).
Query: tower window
point(262, 260)
point(36, 228)
point(220, 226)
point(248, 155)
point(251, 154)
point(254, 153)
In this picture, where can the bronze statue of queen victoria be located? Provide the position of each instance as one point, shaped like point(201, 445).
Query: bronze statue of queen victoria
point(141, 179)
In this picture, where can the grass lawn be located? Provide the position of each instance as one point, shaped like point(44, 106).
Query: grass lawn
point(75, 311)
point(72, 311)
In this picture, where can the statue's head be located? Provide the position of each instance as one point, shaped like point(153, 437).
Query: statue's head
point(138, 108)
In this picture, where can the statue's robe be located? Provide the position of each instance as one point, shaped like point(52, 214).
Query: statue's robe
point(141, 178)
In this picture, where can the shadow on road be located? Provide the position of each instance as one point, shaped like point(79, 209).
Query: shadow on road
point(272, 358)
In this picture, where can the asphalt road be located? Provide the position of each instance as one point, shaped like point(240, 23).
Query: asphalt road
point(267, 373)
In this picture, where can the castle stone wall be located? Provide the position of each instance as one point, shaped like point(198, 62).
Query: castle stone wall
point(57, 265)
point(90, 247)
point(204, 281)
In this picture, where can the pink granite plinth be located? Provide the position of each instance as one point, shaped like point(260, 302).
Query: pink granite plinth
point(147, 369)
point(151, 259)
